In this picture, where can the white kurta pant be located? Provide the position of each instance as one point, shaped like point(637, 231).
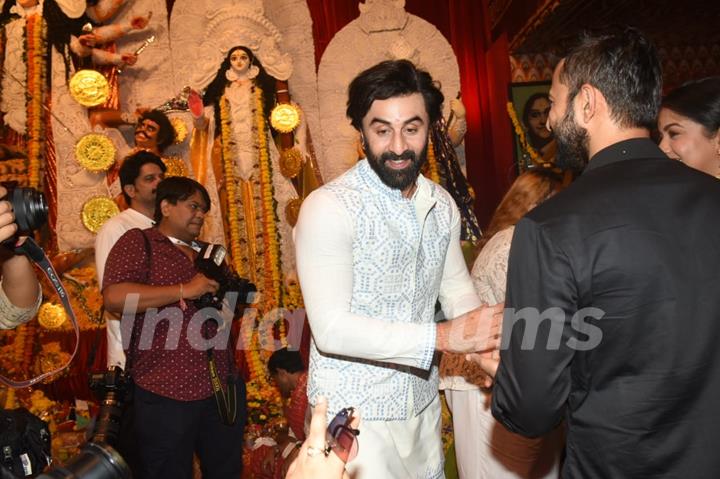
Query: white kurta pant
point(410, 449)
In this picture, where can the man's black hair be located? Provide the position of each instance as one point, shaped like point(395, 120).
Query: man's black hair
point(178, 188)
point(624, 65)
point(285, 359)
point(391, 79)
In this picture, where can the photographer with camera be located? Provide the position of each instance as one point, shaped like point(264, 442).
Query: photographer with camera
point(20, 293)
point(187, 396)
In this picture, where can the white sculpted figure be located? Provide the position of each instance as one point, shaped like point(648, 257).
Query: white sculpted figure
point(383, 31)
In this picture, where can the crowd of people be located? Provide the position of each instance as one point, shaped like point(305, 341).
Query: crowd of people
point(580, 344)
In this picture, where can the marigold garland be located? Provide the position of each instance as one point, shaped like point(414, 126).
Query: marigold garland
point(10, 400)
point(433, 172)
point(264, 401)
point(230, 186)
point(273, 283)
point(271, 292)
point(36, 51)
point(16, 357)
point(522, 139)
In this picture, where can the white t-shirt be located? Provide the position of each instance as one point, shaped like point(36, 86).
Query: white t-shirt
point(106, 238)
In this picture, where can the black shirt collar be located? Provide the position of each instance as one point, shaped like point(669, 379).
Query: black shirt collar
point(625, 150)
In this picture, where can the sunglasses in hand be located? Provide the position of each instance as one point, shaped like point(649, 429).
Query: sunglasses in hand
point(341, 437)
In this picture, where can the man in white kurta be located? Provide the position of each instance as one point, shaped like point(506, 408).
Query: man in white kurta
point(376, 249)
point(139, 175)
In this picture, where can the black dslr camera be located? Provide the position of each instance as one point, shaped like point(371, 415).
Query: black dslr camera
point(29, 207)
point(210, 261)
point(113, 387)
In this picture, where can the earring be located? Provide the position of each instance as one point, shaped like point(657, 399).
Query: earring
point(253, 71)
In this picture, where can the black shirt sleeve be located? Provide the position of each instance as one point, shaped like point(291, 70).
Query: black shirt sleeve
point(533, 380)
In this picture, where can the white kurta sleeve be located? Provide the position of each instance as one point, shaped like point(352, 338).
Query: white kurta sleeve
point(323, 243)
point(457, 294)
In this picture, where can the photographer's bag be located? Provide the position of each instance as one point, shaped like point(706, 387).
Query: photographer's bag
point(24, 442)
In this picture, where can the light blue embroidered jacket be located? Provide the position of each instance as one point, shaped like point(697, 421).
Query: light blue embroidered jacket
point(372, 266)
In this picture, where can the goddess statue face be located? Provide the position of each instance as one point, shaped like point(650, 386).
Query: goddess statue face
point(239, 61)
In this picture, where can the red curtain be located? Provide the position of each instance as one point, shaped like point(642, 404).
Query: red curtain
point(484, 75)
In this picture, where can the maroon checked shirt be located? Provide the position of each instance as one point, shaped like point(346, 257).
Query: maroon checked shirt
point(179, 370)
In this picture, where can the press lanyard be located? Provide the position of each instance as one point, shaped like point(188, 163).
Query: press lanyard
point(194, 245)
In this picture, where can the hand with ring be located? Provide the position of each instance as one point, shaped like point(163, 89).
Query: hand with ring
point(315, 460)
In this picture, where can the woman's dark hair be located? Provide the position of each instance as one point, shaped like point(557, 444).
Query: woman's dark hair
point(285, 359)
point(528, 190)
point(217, 86)
point(178, 188)
point(624, 65)
point(5, 15)
point(391, 79)
point(698, 100)
point(130, 168)
point(166, 131)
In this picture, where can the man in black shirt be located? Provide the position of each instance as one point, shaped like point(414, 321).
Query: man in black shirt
point(618, 275)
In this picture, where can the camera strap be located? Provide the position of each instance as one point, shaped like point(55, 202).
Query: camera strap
point(38, 256)
point(129, 357)
point(226, 400)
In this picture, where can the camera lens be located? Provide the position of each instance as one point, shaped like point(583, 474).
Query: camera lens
point(30, 208)
point(95, 461)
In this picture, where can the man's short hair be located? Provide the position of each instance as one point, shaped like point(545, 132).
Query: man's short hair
point(625, 67)
point(285, 359)
point(391, 79)
point(131, 166)
point(178, 188)
point(166, 131)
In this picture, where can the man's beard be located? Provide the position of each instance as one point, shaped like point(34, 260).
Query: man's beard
point(572, 143)
point(397, 179)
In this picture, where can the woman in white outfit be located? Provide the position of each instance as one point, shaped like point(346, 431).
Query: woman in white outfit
point(484, 448)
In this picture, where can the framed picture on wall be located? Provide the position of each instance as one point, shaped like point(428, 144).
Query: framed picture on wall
point(528, 110)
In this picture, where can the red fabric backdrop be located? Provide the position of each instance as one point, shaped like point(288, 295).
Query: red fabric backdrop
point(484, 74)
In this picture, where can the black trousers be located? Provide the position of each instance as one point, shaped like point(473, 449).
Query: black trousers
point(168, 432)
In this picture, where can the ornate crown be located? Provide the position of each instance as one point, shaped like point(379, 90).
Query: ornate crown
point(242, 25)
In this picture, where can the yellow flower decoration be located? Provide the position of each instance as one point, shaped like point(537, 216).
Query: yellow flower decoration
point(181, 129)
point(36, 51)
point(520, 132)
point(433, 171)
